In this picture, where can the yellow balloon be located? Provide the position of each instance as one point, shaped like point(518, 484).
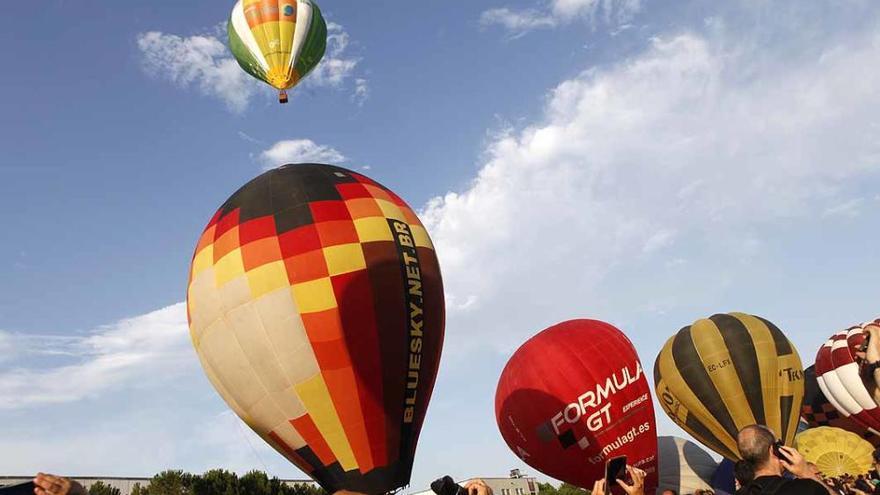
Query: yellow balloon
point(835, 451)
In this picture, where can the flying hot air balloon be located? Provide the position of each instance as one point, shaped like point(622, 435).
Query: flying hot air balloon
point(277, 41)
point(836, 452)
point(726, 372)
point(574, 396)
point(316, 309)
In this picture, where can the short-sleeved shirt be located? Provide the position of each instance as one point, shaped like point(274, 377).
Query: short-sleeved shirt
point(780, 486)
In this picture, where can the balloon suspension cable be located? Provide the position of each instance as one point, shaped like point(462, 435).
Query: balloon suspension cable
point(251, 445)
point(282, 97)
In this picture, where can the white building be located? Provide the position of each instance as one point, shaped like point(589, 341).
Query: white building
point(125, 485)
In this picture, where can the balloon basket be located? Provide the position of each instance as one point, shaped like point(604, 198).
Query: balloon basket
point(282, 97)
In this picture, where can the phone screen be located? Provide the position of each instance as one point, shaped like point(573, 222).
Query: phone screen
point(615, 470)
point(20, 489)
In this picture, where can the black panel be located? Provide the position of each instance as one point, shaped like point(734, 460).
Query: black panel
point(745, 360)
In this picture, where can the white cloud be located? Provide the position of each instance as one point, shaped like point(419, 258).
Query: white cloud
point(672, 148)
point(131, 353)
point(361, 91)
point(850, 208)
point(299, 151)
point(200, 61)
point(558, 12)
point(204, 62)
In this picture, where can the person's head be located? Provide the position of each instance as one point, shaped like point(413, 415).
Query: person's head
point(755, 444)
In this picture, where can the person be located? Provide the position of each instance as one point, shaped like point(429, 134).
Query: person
point(49, 484)
point(478, 487)
point(870, 360)
point(743, 473)
point(636, 488)
point(756, 446)
point(669, 491)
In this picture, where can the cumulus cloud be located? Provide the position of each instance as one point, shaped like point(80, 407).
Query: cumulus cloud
point(205, 63)
point(130, 352)
point(674, 146)
point(299, 151)
point(520, 21)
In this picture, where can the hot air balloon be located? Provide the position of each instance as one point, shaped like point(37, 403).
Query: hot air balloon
point(839, 378)
point(684, 466)
point(316, 308)
point(574, 396)
point(836, 452)
point(727, 372)
point(277, 41)
point(818, 411)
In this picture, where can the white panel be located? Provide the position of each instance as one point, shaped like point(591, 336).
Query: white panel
point(248, 329)
point(290, 436)
point(224, 354)
point(286, 332)
point(303, 24)
point(235, 293)
point(205, 302)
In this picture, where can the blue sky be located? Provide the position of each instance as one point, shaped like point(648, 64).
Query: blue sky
point(634, 161)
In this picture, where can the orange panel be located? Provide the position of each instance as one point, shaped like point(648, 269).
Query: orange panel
point(363, 208)
point(323, 326)
point(227, 243)
point(343, 390)
point(306, 267)
point(338, 232)
point(261, 252)
point(206, 239)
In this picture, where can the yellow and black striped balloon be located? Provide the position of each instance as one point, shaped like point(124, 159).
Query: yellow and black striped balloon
point(726, 372)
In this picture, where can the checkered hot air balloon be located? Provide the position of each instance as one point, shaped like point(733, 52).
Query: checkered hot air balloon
point(726, 372)
point(277, 41)
point(316, 308)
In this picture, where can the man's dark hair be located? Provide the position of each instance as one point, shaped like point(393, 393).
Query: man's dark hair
point(744, 472)
point(754, 444)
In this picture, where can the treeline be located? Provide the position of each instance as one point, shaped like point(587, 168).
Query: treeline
point(214, 482)
point(564, 489)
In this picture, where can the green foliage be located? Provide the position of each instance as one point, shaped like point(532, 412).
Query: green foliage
point(564, 489)
point(100, 488)
point(221, 482)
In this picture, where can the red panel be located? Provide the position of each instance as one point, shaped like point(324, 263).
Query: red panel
point(364, 179)
point(228, 222)
point(323, 326)
point(299, 240)
point(331, 355)
point(256, 229)
point(327, 211)
point(353, 191)
point(355, 298)
point(552, 412)
point(307, 429)
point(336, 233)
point(306, 267)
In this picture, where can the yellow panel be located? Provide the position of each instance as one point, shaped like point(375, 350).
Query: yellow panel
point(344, 258)
point(287, 333)
point(229, 267)
point(420, 235)
point(373, 229)
point(267, 278)
point(314, 296)
point(316, 398)
point(390, 210)
point(203, 260)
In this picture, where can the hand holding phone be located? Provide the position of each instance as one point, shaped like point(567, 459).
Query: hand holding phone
point(615, 469)
point(777, 450)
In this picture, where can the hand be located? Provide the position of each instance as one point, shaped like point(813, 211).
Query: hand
point(638, 482)
point(47, 484)
point(478, 487)
point(798, 465)
point(598, 488)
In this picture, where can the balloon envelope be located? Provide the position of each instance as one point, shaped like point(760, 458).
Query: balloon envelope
point(277, 41)
point(727, 372)
point(316, 308)
point(818, 410)
point(836, 452)
point(574, 396)
point(839, 378)
point(684, 466)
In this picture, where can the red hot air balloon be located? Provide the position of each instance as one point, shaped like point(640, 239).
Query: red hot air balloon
point(574, 396)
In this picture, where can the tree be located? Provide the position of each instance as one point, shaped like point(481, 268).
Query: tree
point(137, 490)
point(216, 482)
point(170, 483)
point(100, 488)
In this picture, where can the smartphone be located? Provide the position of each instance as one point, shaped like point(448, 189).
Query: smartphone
point(444, 486)
point(777, 449)
point(615, 469)
point(20, 489)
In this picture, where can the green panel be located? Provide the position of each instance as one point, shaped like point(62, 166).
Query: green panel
point(315, 44)
point(243, 55)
